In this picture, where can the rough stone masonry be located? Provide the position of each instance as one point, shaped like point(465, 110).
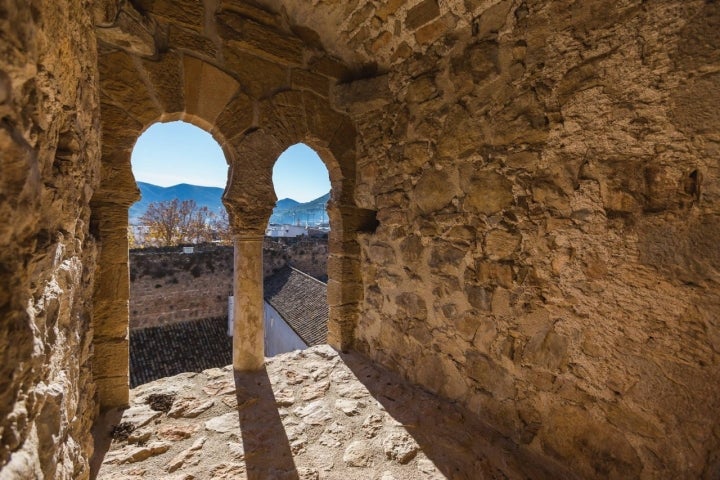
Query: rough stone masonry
point(525, 205)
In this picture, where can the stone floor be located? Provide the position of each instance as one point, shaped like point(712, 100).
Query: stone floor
point(314, 414)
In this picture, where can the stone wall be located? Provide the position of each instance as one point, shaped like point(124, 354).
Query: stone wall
point(544, 175)
point(49, 161)
point(172, 287)
point(546, 181)
point(168, 286)
point(309, 255)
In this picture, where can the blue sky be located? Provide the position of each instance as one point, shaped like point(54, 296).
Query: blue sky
point(176, 152)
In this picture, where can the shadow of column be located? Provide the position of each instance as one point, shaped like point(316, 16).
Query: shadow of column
point(460, 444)
point(267, 449)
point(102, 437)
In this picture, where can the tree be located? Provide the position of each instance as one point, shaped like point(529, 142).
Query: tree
point(174, 222)
point(220, 226)
point(132, 240)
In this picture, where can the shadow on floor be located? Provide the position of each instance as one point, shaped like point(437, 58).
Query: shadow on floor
point(267, 449)
point(440, 427)
point(102, 437)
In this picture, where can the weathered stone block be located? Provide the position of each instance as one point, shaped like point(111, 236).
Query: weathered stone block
point(258, 76)
point(481, 60)
point(547, 349)
point(187, 12)
point(187, 39)
point(490, 20)
point(494, 273)
point(120, 130)
point(167, 80)
point(411, 305)
point(487, 192)
point(592, 447)
point(692, 111)
point(260, 40)
point(322, 121)
point(123, 85)
point(237, 116)
point(284, 117)
point(110, 315)
point(432, 31)
point(434, 190)
point(411, 249)
point(422, 13)
point(491, 376)
point(252, 12)
point(206, 103)
point(343, 292)
point(130, 31)
point(479, 297)
point(113, 392)
point(363, 96)
point(421, 90)
point(328, 66)
point(112, 357)
point(305, 80)
point(445, 254)
point(500, 244)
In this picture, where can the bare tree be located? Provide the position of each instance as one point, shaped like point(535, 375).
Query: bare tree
point(199, 225)
point(220, 226)
point(132, 239)
point(174, 222)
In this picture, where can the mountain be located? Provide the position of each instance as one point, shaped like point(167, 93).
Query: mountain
point(286, 210)
point(289, 211)
point(286, 203)
point(204, 197)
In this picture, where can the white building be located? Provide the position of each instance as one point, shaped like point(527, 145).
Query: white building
point(280, 231)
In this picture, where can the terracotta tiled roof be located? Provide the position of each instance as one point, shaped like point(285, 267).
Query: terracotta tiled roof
point(302, 302)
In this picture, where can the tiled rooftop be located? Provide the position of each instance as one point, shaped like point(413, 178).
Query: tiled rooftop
point(197, 345)
point(192, 346)
point(302, 302)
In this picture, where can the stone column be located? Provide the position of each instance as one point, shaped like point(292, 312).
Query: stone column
point(248, 346)
point(111, 306)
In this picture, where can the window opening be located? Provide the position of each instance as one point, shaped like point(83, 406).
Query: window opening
point(296, 253)
point(181, 257)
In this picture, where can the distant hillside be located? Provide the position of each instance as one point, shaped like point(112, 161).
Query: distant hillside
point(286, 210)
point(204, 197)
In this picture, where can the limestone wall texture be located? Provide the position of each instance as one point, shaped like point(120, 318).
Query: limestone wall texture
point(525, 205)
point(49, 161)
point(546, 181)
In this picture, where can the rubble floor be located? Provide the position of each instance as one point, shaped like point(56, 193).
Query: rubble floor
point(312, 414)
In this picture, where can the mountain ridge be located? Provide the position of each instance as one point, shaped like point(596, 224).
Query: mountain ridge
point(286, 210)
